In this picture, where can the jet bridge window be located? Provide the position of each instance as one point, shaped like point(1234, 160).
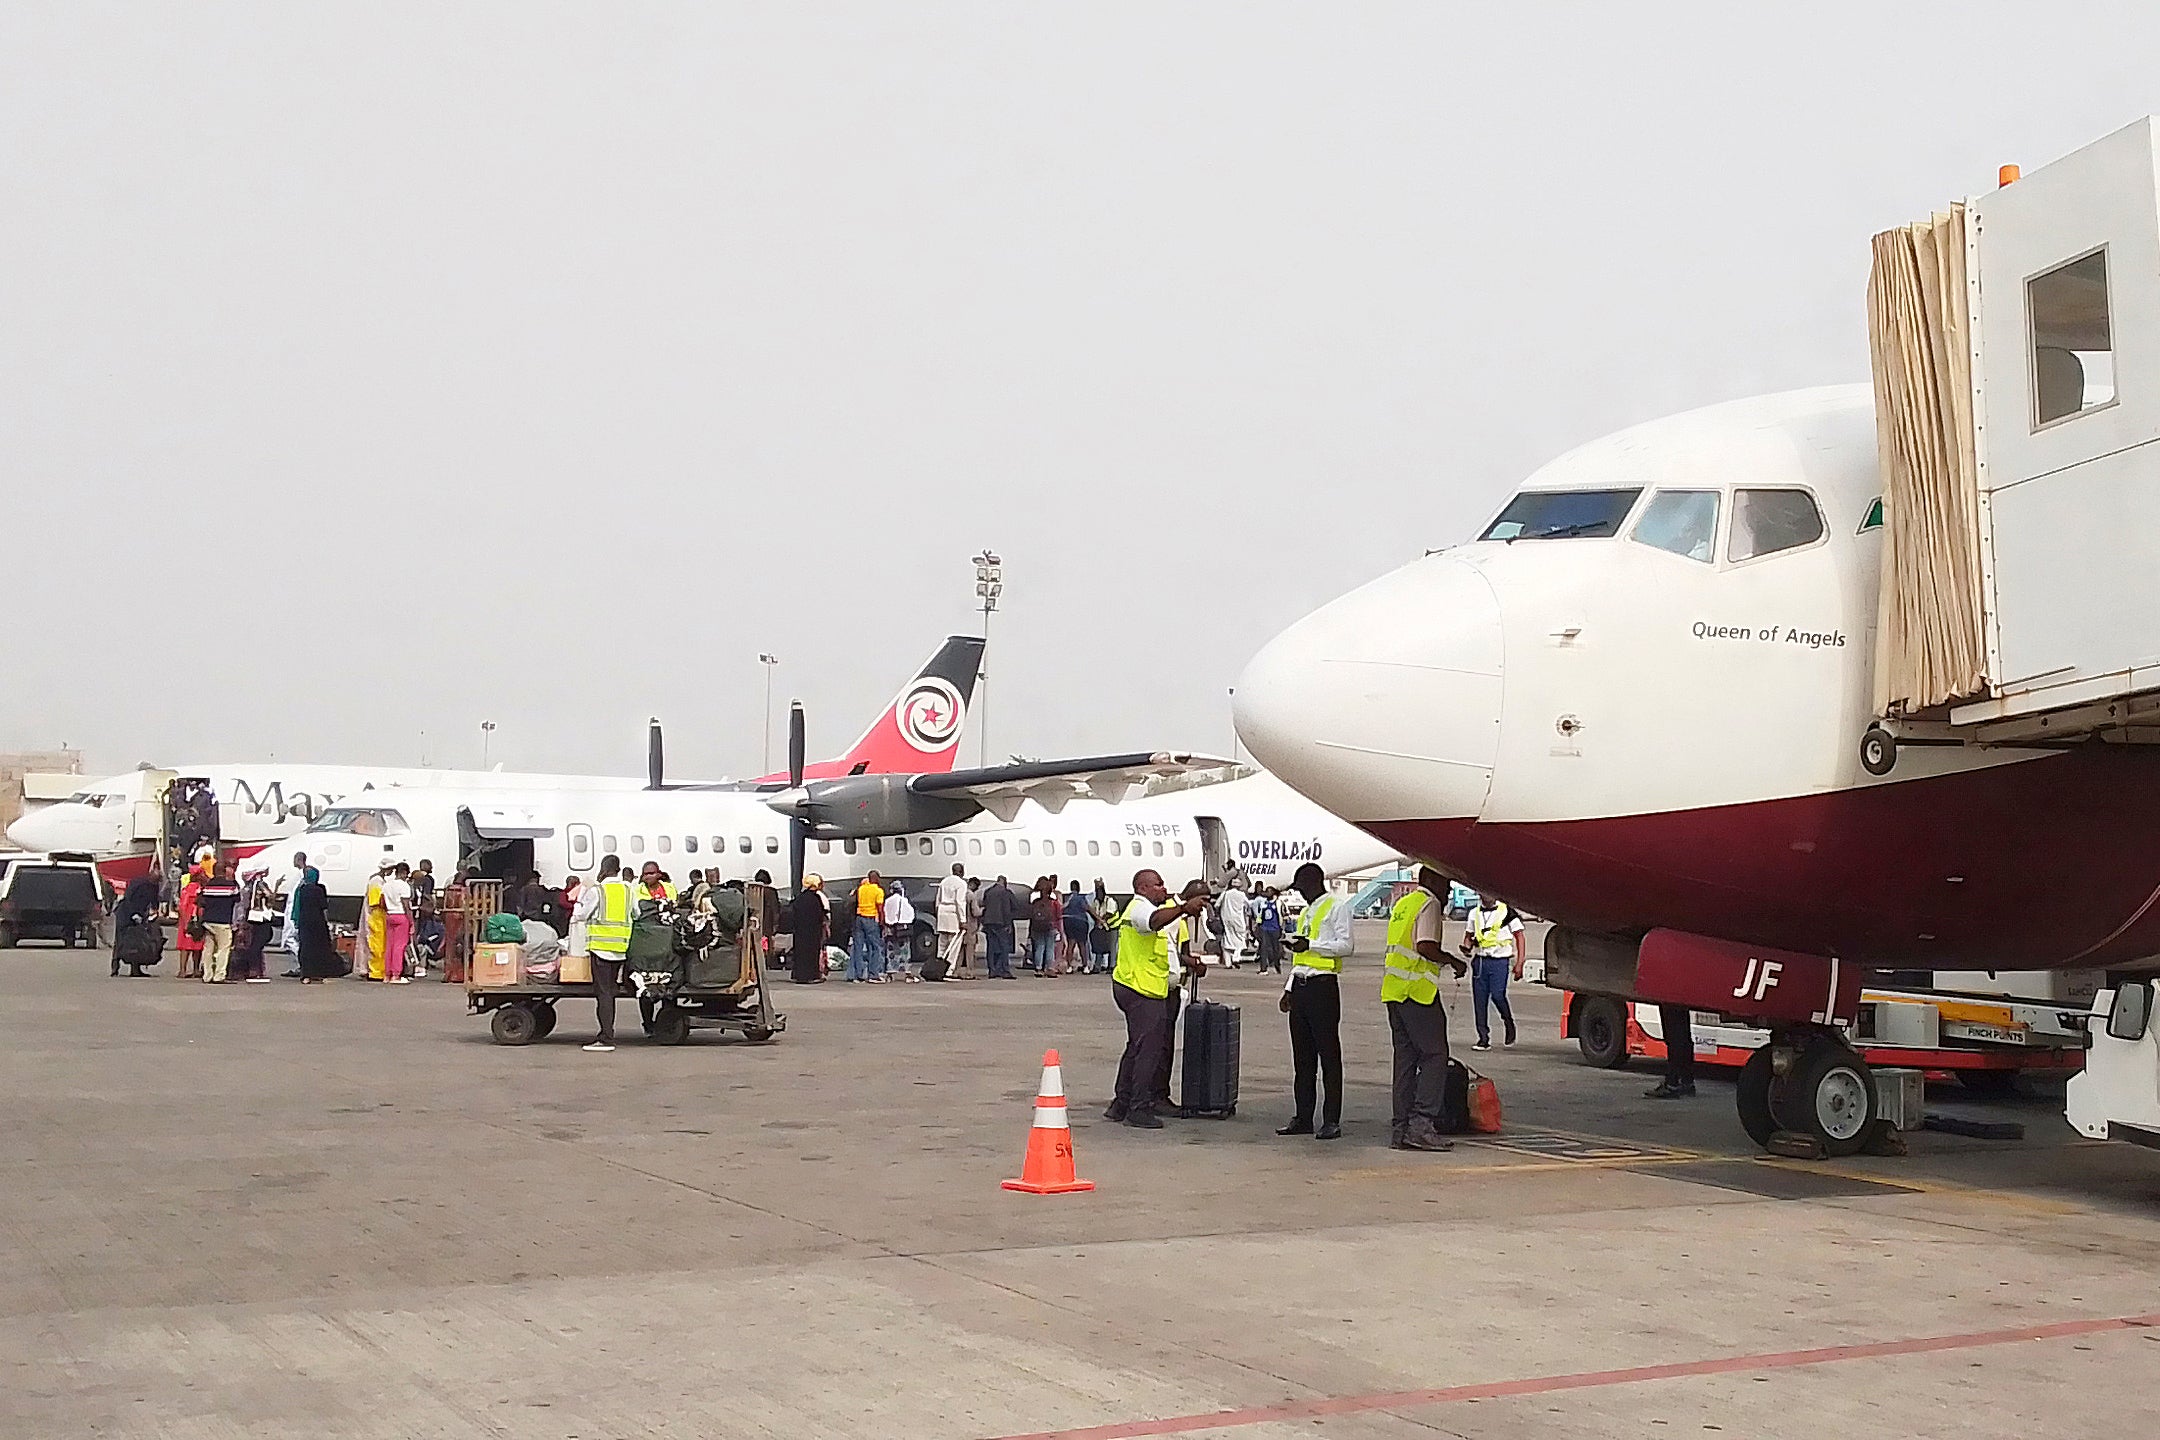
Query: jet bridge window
point(1767, 521)
point(1563, 515)
point(2073, 352)
point(1683, 522)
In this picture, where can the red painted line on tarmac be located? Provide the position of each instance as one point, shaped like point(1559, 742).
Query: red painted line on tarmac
point(1589, 1380)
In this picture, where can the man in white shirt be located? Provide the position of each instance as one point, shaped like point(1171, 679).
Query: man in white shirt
point(397, 922)
point(1313, 1001)
point(286, 887)
point(952, 909)
point(900, 933)
point(1232, 910)
point(1495, 944)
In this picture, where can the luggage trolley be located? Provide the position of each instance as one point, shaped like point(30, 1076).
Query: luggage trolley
point(524, 1011)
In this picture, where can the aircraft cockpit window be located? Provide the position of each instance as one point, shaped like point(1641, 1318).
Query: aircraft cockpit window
point(1873, 519)
point(1563, 515)
point(1767, 521)
point(349, 820)
point(1681, 521)
point(2073, 352)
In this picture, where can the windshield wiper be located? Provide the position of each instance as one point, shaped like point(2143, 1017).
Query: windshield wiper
point(1567, 531)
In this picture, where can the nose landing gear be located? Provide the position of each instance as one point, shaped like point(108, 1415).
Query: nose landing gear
point(1807, 1094)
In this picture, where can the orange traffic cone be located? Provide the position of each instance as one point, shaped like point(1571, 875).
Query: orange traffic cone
point(1048, 1168)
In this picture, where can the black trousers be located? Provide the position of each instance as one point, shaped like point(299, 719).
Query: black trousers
point(1172, 1003)
point(1677, 1021)
point(1144, 1037)
point(1421, 1056)
point(606, 975)
point(1271, 950)
point(1316, 1044)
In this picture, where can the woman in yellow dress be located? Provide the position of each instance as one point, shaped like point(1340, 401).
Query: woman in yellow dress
point(374, 921)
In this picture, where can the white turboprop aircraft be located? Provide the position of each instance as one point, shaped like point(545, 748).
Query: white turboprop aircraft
point(1635, 704)
point(1072, 818)
point(261, 804)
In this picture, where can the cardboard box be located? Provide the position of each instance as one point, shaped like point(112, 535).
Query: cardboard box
point(495, 965)
point(576, 969)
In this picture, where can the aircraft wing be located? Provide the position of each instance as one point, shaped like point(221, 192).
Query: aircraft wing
point(1003, 789)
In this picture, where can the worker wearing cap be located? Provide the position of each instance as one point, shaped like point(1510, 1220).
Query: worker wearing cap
point(1313, 1001)
point(1140, 983)
point(1411, 992)
point(607, 937)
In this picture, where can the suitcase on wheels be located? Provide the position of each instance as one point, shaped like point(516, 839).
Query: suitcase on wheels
point(1211, 1058)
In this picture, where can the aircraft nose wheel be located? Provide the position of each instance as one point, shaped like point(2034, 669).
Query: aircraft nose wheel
point(1814, 1088)
point(1878, 751)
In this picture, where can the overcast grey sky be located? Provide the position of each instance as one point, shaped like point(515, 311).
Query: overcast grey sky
point(371, 369)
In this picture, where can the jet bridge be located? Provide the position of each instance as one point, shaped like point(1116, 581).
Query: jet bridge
point(2015, 342)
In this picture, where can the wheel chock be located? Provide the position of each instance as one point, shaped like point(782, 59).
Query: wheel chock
point(1792, 1146)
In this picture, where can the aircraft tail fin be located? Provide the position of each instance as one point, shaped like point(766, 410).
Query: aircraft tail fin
point(921, 729)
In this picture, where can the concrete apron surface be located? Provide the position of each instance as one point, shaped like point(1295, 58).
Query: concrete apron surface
point(341, 1211)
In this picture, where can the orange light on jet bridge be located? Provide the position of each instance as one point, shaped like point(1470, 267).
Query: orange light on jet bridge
point(2006, 175)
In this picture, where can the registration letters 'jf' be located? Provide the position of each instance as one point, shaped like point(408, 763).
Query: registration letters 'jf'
point(1762, 975)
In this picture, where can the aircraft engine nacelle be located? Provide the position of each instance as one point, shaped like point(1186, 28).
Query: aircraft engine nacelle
point(856, 807)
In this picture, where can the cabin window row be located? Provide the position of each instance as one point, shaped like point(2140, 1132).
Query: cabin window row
point(665, 844)
point(1048, 849)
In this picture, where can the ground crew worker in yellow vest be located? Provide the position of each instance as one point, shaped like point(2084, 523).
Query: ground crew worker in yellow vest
point(1496, 947)
point(1411, 992)
point(1313, 1001)
point(1140, 983)
point(607, 938)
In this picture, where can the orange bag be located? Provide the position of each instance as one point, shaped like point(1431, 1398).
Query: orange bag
point(1484, 1105)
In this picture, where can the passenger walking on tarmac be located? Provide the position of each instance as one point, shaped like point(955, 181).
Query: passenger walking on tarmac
point(900, 935)
point(1077, 923)
point(1676, 1025)
point(808, 919)
point(1494, 941)
point(1000, 913)
point(288, 885)
point(971, 944)
point(397, 922)
point(1232, 908)
point(1411, 992)
point(1044, 912)
point(1268, 926)
point(952, 921)
point(216, 899)
point(1140, 984)
point(368, 941)
point(607, 937)
point(311, 918)
point(1102, 938)
point(866, 952)
point(190, 942)
point(1313, 1001)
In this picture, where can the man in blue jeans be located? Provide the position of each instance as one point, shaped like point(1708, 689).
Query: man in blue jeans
point(866, 953)
point(1494, 942)
point(1000, 911)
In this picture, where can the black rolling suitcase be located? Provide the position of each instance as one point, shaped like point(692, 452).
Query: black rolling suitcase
point(1211, 1057)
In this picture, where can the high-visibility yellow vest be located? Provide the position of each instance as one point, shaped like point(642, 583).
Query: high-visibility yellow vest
point(609, 933)
point(1490, 936)
point(1308, 925)
point(1410, 976)
point(1143, 958)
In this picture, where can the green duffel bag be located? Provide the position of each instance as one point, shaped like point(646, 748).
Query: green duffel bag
point(503, 930)
point(652, 945)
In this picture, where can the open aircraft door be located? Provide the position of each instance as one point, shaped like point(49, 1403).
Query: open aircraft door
point(499, 840)
point(149, 818)
point(1214, 850)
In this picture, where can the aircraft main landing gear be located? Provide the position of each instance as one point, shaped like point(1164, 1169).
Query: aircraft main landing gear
point(1807, 1094)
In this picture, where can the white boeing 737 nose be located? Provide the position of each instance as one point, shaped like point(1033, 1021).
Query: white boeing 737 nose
point(1384, 705)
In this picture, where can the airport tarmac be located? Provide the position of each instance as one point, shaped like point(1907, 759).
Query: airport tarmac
point(269, 1211)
